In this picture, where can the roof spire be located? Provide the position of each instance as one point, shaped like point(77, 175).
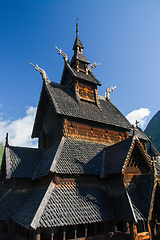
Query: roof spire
point(77, 32)
point(6, 143)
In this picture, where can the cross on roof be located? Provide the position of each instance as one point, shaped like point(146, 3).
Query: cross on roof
point(137, 123)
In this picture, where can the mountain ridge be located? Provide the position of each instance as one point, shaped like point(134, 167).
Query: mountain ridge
point(153, 130)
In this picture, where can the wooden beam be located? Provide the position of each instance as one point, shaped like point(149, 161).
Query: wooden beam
point(38, 236)
point(133, 231)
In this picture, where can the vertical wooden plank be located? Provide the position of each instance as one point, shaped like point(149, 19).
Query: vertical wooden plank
point(133, 231)
point(52, 236)
point(75, 232)
point(38, 236)
point(149, 230)
point(86, 229)
point(64, 234)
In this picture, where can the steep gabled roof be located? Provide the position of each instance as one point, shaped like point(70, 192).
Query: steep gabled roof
point(139, 133)
point(65, 104)
point(70, 156)
point(20, 162)
point(79, 56)
point(78, 43)
point(118, 155)
point(79, 75)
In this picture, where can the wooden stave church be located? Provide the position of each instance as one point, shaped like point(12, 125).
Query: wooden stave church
point(91, 176)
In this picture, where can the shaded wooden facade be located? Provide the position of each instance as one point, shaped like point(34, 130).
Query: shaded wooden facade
point(91, 176)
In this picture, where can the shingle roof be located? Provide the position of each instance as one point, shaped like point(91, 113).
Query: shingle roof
point(46, 161)
point(21, 162)
point(66, 104)
point(79, 56)
point(77, 42)
point(157, 164)
point(27, 211)
point(78, 204)
point(71, 203)
point(64, 204)
point(145, 186)
point(81, 75)
point(135, 201)
point(115, 157)
point(11, 201)
point(70, 156)
point(119, 201)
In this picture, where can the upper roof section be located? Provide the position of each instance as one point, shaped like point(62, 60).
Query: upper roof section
point(70, 74)
point(77, 68)
point(66, 104)
point(78, 49)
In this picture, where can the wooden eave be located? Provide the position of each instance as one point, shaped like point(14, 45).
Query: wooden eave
point(152, 199)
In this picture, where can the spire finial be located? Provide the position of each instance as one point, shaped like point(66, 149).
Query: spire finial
point(6, 144)
point(77, 28)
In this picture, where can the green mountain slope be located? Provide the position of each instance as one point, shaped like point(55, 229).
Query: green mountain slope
point(153, 130)
point(1, 153)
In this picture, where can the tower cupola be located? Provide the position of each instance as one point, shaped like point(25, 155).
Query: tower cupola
point(79, 61)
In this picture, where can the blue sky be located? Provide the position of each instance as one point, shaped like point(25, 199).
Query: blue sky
point(122, 35)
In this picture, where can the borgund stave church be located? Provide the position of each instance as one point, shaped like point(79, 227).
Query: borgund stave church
point(91, 177)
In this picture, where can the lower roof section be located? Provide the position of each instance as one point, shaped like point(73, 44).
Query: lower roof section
point(10, 201)
point(64, 204)
point(73, 203)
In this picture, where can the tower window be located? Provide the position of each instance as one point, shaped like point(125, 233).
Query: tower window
point(82, 66)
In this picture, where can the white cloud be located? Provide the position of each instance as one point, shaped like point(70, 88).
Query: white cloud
point(140, 115)
point(20, 130)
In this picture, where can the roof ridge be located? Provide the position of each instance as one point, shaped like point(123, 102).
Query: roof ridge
point(5, 195)
point(25, 148)
point(42, 206)
point(58, 152)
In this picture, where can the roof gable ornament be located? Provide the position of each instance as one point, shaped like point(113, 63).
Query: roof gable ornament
point(65, 57)
point(108, 92)
point(42, 72)
point(91, 66)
